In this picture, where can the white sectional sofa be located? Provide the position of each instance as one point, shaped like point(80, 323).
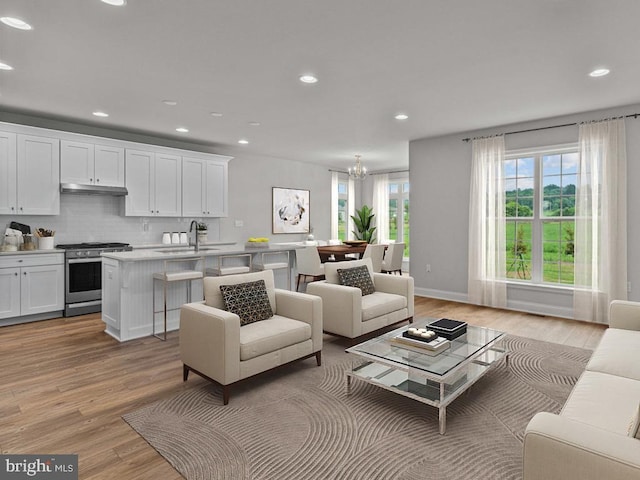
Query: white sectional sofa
point(591, 438)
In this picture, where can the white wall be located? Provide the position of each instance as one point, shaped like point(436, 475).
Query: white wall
point(251, 177)
point(440, 174)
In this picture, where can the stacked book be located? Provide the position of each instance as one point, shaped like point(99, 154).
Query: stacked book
point(448, 328)
point(421, 340)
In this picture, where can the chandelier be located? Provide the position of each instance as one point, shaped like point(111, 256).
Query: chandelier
point(358, 171)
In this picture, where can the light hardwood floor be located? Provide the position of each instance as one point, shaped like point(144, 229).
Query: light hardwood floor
point(65, 384)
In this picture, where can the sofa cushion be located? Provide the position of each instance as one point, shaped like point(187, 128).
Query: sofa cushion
point(634, 425)
point(381, 303)
point(357, 277)
point(604, 401)
point(331, 268)
point(270, 335)
point(213, 295)
point(614, 353)
point(247, 300)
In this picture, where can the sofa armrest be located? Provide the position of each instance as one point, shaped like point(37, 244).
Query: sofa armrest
point(341, 308)
point(210, 342)
point(624, 314)
point(400, 285)
point(303, 307)
point(558, 448)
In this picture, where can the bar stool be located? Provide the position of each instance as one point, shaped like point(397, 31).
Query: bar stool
point(230, 269)
point(274, 265)
point(168, 277)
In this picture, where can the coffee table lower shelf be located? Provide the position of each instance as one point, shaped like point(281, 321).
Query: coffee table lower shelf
point(426, 388)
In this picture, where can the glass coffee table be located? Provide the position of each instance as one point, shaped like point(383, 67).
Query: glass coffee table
point(434, 379)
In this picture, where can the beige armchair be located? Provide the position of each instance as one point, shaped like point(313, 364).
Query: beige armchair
point(216, 347)
point(346, 312)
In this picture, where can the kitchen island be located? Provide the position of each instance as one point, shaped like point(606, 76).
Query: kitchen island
point(127, 284)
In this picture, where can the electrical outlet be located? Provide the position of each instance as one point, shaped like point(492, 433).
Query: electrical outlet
point(428, 267)
point(145, 226)
point(239, 223)
point(628, 287)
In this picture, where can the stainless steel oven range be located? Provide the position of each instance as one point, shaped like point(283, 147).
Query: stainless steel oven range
point(83, 275)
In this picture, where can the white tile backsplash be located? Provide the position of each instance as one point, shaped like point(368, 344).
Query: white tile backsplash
point(96, 218)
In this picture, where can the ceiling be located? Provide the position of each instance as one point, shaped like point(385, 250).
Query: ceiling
point(451, 66)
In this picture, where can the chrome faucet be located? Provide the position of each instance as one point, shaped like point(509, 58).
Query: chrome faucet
point(191, 228)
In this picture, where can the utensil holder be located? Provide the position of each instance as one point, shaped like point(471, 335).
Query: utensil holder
point(45, 243)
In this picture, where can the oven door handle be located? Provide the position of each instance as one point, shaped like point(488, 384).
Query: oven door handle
point(84, 260)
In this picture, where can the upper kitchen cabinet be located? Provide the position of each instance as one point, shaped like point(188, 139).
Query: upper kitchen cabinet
point(89, 164)
point(204, 188)
point(30, 180)
point(154, 182)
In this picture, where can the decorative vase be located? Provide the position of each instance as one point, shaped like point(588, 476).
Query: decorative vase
point(202, 236)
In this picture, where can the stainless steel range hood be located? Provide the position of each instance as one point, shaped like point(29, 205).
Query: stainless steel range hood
point(78, 188)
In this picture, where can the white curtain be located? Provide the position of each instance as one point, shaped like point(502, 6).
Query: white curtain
point(381, 206)
point(334, 205)
point(351, 204)
point(487, 256)
point(600, 240)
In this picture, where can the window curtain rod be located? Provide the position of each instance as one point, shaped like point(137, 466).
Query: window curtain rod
point(468, 139)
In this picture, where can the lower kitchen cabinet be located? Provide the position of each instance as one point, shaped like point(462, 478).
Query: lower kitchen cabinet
point(31, 285)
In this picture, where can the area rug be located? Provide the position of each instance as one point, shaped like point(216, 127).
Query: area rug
point(299, 422)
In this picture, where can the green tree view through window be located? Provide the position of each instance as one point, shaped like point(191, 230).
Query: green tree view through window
point(540, 196)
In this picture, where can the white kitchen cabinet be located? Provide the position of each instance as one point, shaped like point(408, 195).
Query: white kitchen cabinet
point(8, 175)
point(38, 186)
point(204, 188)
point(30, 180)
point(91, 164)
point(31, 284)
point(9, 292)
point(154, 182)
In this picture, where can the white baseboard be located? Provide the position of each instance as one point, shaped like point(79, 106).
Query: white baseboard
point(516, 305)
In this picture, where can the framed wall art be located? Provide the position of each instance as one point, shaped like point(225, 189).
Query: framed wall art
point(290, 210)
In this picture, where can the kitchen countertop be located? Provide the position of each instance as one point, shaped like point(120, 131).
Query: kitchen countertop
point(32, 252)
point(176, 245)
point(183, 251)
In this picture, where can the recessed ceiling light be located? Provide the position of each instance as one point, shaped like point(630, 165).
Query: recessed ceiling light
point(15, 23)
point(100, 114)
point(171, 103)
point(182, 130)
point(254, 124)
point(308, 78)
point(599, 72)
point(243, 141)
point(215, 114)
point(4, 66)
point(401, 116)
point(116, 3)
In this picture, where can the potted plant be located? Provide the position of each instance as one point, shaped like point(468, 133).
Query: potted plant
point(363, 221)
point(201, 231)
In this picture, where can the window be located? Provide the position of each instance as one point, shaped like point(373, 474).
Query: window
point(399, 212)
point(343, 209)
point(540, 195)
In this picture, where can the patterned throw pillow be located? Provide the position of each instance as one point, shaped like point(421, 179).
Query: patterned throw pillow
point(634, 425)
point(357, 277)
point(247, 300)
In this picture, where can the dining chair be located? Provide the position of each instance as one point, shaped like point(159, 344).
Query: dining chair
point(392, 261)
point(308, 265)
point(375, 253)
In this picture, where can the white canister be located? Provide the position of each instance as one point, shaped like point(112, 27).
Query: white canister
point(175, 237)
point(183, 238)
point(45, 243)
point(166, 238)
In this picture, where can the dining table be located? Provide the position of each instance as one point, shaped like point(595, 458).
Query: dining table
point(339, 252)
